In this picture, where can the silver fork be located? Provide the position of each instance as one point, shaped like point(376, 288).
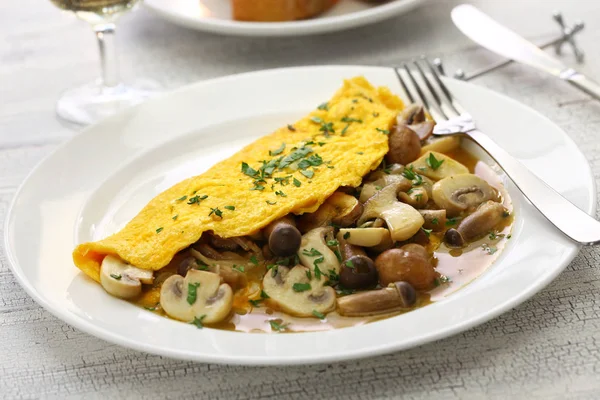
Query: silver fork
point(452, 119)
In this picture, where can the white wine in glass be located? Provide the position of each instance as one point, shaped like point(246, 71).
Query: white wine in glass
point(92, 102)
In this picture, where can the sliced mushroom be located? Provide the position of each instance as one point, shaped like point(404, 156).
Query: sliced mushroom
point(416, 197)
point(369, 189)
point(284, 237)
point(409, 263)
point(404, 145)
point(434, 219)
point(292, 291)
point(397, 296)
point(483, 220)
point(314, 251)
point(357, 269)
point(447, 166)
point(199, 295)
point(365, 237)
point(459, 192)
point(402, 220)
point(121, 279)
point(340, 208)
point(441, 145)
point(222, 243)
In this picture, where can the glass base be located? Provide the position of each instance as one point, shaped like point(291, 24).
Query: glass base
point(88, 104)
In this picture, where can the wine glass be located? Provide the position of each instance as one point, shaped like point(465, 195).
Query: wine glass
point(107, 95)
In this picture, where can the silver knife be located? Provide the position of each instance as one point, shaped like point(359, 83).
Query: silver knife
point(488, 33)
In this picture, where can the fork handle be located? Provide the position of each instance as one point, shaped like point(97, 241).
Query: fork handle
point(567, 217)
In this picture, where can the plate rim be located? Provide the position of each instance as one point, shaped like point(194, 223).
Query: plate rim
point(105, 334)
point(288, 28)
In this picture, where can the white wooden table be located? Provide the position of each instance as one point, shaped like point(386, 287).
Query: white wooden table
point(547, 348)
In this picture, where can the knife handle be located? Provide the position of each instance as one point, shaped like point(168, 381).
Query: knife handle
point(566, 216)
point(582, 82)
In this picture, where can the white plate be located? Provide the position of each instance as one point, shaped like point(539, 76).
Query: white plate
point(97, 181)
point(215, 16)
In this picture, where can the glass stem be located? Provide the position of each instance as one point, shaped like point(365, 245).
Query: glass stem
point(105, 33)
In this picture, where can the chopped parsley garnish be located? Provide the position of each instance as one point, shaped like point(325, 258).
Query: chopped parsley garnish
point(345, 129)
point(216, 212)
point(384, 131)
point(254, 260)
point(434, 221)
point(313, 161)
point(231, 208)
point(192, 292)
point(308, 174)
point(427, 231)
point(332, 242)
point(318, 271)
point(280, 193)
point(338, 255)
point(291, 128)
point(248, 170)
point(489, 249)
point(308, 274)
point(509, 236)
point(257, 187)
point(294, 156)
point(182, 198)
point(451, 221)
point(349, 264)
point(239, 268)
point(301, 287)
point(197, 199)
point(312, 252)
point(153, 308)
point(360, 153)
point(278, 150)
point(349, 120)
point(433, 162)
point(174, 217)
point(283, 181)
point(409, 173)
point(264, 295)
point(327, 128)
point(418, 197)
point(316, 120)
point(346, 235)
point(376, 114)
point(271, 203)
point(297, 183)
point(198, 321)
point(278, 326)
point(255, 303)
point(116, 276)
point(493, 235)
point(273, 268)
point(324, 106)
point(318, 314)
point(441, 280)
point(333, 277)
point(159, 230)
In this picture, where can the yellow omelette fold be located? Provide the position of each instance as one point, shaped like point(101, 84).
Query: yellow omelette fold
point(302, 165)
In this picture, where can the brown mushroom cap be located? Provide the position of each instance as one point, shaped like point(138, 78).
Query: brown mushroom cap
point(284, 238)
point(404, 144)
point(409, 263)
point(357, 269)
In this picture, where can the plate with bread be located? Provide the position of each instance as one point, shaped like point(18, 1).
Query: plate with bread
point(277, 17)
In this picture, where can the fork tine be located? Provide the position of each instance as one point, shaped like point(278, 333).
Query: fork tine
point(435, 114)
point(432, 90)
point(404, 87)
point(456, 107)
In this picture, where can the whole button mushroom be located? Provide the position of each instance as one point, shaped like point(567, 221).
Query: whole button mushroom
point(483, 220)
point(357, 270)
point(397, 296)
point(409, 263)
point(283, 237)
point(404, 144)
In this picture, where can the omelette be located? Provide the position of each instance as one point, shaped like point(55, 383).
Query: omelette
point(340, 141)
point(336, 216)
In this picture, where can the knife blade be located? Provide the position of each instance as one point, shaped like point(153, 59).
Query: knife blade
point(490, 34)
